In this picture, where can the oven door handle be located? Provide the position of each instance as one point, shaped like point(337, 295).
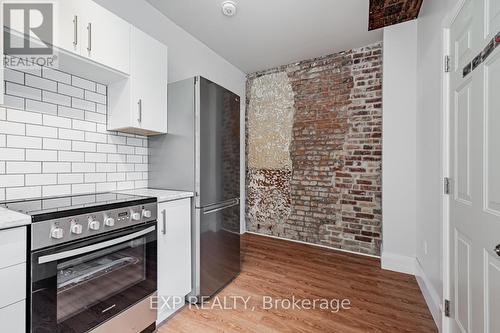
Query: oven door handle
point(92, 248)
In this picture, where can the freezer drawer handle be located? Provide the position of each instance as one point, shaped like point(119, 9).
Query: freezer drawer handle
point(94, 247)
point(222, 206)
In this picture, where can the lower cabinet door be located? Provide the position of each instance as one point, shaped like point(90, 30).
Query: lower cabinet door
point(174, 255)
point(12, 318)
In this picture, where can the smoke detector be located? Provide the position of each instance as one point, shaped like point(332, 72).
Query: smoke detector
point(229, 8)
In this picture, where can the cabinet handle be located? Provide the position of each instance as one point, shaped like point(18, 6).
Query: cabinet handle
point(139, 106)
point(89, 29)
point(75, 30)
point(164, 227)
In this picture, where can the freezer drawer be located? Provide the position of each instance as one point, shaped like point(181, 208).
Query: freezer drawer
point(219, 247)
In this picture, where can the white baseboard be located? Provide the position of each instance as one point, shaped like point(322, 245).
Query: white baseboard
point(398, 263)
point(431, 296)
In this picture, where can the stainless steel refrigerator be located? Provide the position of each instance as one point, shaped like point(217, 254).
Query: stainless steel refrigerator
point(201, 153)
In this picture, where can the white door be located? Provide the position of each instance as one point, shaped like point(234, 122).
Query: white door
point(174, 251)
point(149, 81)
point(475, 170)
point(105, 37)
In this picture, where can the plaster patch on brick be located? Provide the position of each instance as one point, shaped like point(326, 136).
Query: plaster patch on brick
point(270, 121)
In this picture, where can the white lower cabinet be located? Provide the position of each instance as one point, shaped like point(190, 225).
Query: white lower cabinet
point(13, 280)
point(174, 256)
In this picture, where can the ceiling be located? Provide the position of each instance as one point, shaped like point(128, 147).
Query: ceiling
point(269, 33)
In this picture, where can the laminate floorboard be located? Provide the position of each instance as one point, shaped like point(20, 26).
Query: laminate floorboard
point(380, 301)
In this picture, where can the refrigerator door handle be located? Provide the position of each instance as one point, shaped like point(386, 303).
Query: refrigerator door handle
point(221, 206)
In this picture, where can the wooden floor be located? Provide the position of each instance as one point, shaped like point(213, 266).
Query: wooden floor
point(381, 301)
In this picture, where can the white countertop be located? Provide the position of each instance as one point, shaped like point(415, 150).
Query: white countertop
point(162, 195)
point(11, 219)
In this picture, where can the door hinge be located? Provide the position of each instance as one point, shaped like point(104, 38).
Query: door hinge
point(447, 308)
point(447, 185)
point(447, 67)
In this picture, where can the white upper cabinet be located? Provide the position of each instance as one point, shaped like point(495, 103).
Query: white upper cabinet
point(87, 29)
point(139, 104)
point(148, 71)
point(106, 37)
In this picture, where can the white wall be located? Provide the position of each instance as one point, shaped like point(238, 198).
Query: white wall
point(429, 150)
point(187, 56)
point(399, 147)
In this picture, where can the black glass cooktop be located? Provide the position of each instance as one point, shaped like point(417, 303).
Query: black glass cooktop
point(55, 207)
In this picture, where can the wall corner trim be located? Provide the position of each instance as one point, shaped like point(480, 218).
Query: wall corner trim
point(431, 296)
point(398, 263)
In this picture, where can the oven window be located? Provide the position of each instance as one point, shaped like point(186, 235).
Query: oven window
point(90, 279)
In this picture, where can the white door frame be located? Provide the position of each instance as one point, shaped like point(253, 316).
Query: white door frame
point(445, 148)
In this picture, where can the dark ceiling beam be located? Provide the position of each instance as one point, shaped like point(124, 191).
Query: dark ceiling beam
point(388, 12)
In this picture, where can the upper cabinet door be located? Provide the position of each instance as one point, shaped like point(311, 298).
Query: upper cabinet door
point(105, 37)
point(68, 20)
point(148, 73)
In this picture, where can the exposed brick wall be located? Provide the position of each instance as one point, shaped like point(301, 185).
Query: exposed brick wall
point(388, 12)
point(330, 192)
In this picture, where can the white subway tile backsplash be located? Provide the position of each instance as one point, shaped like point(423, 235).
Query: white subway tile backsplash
point(11, 154)
point(41, 179)
point(56, 144)
point(95, 157)
point(83, 167)
point(14, 76)
point(41, 131)
point(56, 167)
point(82, 83)
point(65, 111)
point(84, 146)
point(70, 178)
point(40, 83)
point(24, 117)
point(18, 141)
point(11, 180)
point(95, 177)
point(83, 104)
point(22, 91)
point(41, 155)
point(106, 148)
point(95, 97)
point(71, 156)
point(42, 107)
point(70, 134)
point(56, 190)
point(66, 89)
point(56, 75)
point(56, 98)
point(101, 89)
point(15, 193)
point(84, 125)
point(82, 188)
point(23, 167)
point(56, 121)
point(54, 141)
point(96, 117)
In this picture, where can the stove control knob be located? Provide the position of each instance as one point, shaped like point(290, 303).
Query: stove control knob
point(93, 224)
point(76, 229)
point(136, 216)
point(109, 222)
point(146, 213)
point(57, 233)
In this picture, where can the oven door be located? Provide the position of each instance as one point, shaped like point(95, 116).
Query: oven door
point(79, 286)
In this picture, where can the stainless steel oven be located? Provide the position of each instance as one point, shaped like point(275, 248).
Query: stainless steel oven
point(79, 286)
point(93, 263)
